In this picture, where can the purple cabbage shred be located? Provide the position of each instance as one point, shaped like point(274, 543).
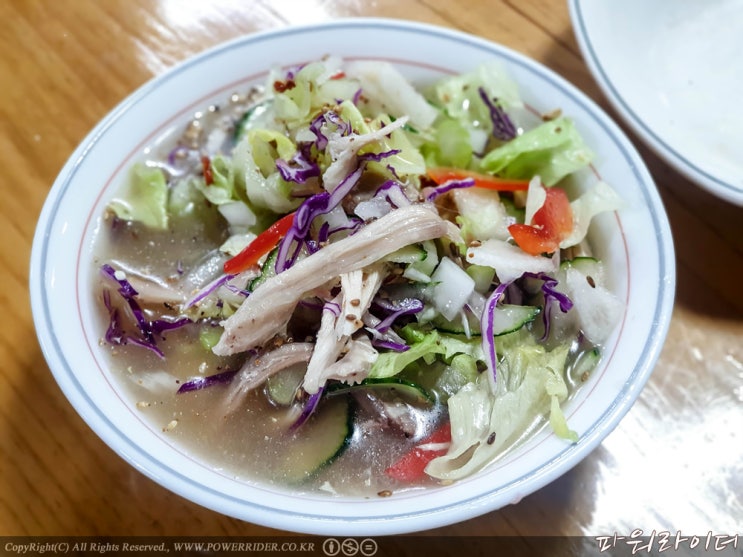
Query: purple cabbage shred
point(551, 295)
point(357, 96)
point(208, 289)
point(333, 308)
point(299, 169)
point(406, 306)
point(393, 172)
point(321, 141)
point(381, 342)
point(433, 193)
point(344, 128)
point(161, 325)
point(503, 127)
point(207, 381)
point(292, 72)
point(116, 333)
point(392, 191)
point(378, 157)
point(487, 325)
point(309, 408)
point(319, 204)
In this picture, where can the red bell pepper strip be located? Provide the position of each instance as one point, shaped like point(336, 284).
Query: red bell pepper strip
point(206, 165)
point(441, 175)
point(551, 224)
point(412, 466)
point(265, 242)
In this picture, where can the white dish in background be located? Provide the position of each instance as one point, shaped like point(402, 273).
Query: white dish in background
point(672, 70)
point(635, 243)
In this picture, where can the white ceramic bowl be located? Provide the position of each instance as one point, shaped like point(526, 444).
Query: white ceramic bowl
point(671, 83)
point(635, 244)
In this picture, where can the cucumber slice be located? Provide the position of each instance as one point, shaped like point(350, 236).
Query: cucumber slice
point(318, 442)
point(420, 270)
point(588, 266)
point(580, 261)
point(408, 254)
point(268, 270)
point(209, 336)
point(282, 387)
point(584, 364)
point(509, 318)
point(408, 390)
point(456, 326)
point(482, 275)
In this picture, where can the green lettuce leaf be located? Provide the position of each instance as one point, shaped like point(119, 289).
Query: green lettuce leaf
point(451, 145)
point(389, 364)
point(222, 190)
point(311, 90)
point(552, 150)
point(459, 95)
point(295, 103)
point(144, 198)
point(254, 163)
point(428, 344)
point(407, 162)
point(484, 423)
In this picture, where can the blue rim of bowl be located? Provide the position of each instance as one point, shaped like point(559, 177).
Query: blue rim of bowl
point(331, 524)
point(708, 181)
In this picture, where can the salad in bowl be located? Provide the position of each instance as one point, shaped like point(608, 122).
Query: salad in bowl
point(362, 277)
point(341, 282)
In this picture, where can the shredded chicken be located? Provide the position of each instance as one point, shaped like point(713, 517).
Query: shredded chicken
point(259, 368)
point(358, 289)
point(266, 311)
point(343, 150)
point(340, 319)
point(328, 347)
point(352, 368)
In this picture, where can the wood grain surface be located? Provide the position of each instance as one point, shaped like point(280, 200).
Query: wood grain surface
point(675, 463)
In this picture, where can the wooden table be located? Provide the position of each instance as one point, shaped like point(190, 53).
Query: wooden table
point(674, 464)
